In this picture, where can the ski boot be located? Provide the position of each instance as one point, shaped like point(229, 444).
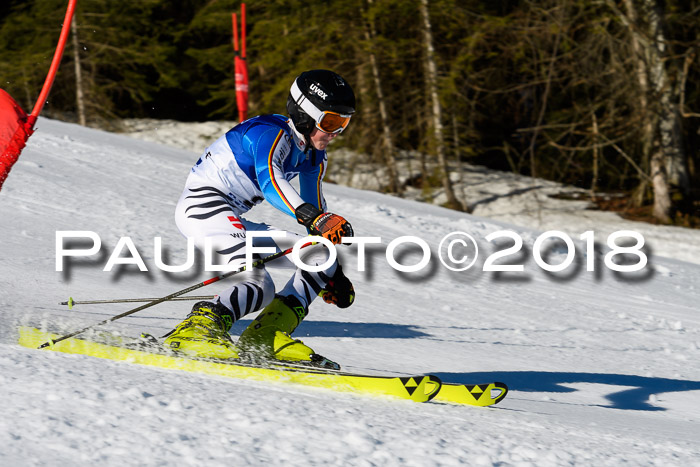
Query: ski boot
point(339, 290)
point(268, 337)
point(204, 333)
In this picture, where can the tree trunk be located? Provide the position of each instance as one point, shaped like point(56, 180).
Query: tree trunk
point(362, 91)
point(431, 78)
point(456, 140)
point(545, 94)
point(79, 95)
point(27, 92)
point(650, 75)
point(647, 128)
point(389, 149)
point(662, 197)
point(596, 156)
point(669, 117)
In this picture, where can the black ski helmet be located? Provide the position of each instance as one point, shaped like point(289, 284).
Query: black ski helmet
point(326, 90)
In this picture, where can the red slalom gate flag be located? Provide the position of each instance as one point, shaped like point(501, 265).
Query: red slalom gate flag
point(241, 88)
point(15, 129)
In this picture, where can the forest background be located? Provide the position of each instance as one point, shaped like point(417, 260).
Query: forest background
point(601, 94)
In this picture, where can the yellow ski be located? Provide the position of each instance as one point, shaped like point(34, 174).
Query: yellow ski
point(416, 388)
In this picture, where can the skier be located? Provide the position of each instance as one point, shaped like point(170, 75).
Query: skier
point(251, 163)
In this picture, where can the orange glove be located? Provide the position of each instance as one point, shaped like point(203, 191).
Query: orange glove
point(324, 224)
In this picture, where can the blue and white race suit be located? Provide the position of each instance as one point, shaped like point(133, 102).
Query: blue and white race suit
point(253, 162)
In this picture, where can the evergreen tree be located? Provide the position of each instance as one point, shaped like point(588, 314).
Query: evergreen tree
point(554, 88)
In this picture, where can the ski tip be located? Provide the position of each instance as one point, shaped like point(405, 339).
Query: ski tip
point(504, 390)
point(433, 386)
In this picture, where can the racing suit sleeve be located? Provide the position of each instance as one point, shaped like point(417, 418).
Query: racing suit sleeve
point(271, 150)
point(310, 185)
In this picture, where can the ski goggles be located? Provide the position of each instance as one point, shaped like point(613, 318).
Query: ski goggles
point(326, 120)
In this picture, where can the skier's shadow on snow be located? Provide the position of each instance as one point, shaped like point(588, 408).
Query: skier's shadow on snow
point(339, 329)
point(635, 397)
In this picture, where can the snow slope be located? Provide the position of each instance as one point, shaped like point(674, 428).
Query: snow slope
point(602, 366)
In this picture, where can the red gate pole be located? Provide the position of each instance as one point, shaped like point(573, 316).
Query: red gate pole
point(240, 66)
point(234, 20)
point(58, 54)
point(243, 31)
point(15, 125)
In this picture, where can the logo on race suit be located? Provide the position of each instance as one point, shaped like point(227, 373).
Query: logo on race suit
point(200, 160)
point(236, 222)
point(316, 90)
point(284, 147)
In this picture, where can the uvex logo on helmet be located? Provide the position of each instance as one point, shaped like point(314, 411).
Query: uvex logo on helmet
point(316, 90)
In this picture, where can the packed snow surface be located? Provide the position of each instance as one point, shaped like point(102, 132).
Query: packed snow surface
point(602, 365)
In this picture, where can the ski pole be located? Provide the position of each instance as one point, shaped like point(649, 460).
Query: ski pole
point(257, 263)
point(72, 302)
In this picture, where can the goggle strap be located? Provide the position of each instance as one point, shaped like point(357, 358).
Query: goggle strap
point(305, 104)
